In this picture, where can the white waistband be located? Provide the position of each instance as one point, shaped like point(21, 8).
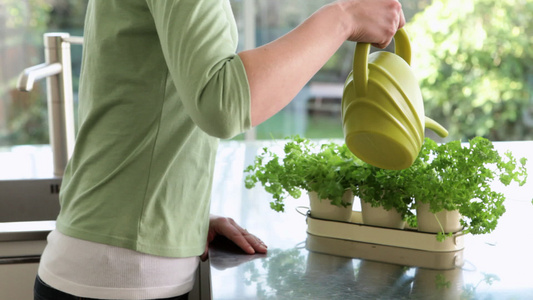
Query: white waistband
point(93, 270)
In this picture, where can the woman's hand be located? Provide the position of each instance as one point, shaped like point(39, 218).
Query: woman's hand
point(228, 228)
point(372, 21)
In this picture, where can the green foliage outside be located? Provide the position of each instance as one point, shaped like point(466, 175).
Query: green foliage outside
point(27, 113)
point(475, 64)
point(32, 13)
point(25, 23)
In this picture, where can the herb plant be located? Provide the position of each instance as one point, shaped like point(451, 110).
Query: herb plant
point(328, 169)
point(389, 189)
point(451, 176)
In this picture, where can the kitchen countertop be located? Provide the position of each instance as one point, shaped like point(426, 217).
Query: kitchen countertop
point(299, 265)
point(302, 266)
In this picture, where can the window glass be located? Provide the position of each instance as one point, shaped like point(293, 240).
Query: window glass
point(315, 112)
point(23, 116)
point(474, 63)
point(473, 60)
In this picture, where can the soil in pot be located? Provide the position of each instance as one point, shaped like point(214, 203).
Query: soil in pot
point(323, 209)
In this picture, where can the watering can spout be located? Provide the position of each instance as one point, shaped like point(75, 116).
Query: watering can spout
point(436, 127)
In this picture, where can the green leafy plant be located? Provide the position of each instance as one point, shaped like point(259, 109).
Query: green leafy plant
point(476, 69)
point(389, 189)
point(452, 176)
point(328, 169)
point(448, 176)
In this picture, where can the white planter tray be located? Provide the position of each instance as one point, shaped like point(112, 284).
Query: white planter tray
point(385, 254)
point(408, 238)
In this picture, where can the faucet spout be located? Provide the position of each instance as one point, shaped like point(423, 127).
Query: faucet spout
point(28, 77)
point(58, 73)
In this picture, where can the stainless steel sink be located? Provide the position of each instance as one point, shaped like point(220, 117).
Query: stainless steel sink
point(29, 199)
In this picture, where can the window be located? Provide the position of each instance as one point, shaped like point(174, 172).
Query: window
point(473, 60)
point(23, 116)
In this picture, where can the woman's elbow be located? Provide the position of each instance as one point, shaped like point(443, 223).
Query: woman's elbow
point(219, 127)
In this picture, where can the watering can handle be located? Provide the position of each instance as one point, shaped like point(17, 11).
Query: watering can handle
point(402, 47)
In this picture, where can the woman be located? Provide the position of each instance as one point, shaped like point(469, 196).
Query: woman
point(160, 85)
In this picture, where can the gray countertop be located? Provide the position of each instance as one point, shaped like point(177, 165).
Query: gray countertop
point(302, 266)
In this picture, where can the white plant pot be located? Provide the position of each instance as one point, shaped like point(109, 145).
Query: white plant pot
point(378, 216)
point(323, 209)
point(427, 221)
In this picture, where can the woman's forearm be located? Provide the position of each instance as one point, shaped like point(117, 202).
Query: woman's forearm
point(279, 70)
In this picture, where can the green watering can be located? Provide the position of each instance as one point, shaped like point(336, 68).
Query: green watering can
point(382, 107)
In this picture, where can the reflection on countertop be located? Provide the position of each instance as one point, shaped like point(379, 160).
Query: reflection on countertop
point(299, 273)
point(299, 265)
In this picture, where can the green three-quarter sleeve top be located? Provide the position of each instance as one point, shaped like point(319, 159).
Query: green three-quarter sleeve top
point(160, 84)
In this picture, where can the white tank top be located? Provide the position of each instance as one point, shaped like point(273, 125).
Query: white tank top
point(93, 270)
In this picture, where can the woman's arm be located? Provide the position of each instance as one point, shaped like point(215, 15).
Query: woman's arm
point(279, 70)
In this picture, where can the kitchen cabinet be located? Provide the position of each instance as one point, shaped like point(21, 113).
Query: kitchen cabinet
point(21, 244)
point(16, 280)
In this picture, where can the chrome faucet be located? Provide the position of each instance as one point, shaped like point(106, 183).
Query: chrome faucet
point(58, 73)
point(30, 75)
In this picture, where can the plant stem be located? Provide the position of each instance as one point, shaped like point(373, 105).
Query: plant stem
point(440, 225)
